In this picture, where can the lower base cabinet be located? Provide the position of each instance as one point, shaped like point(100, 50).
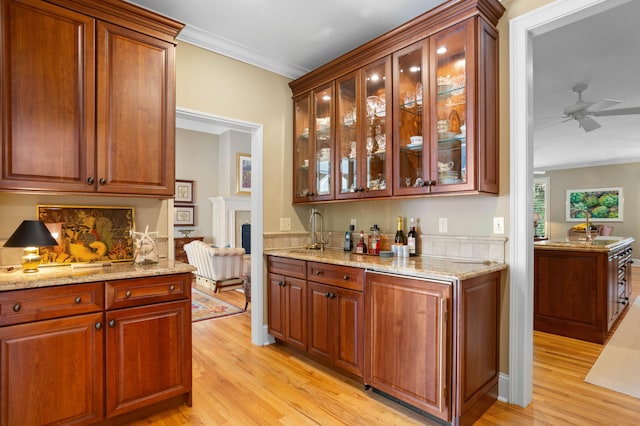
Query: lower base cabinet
point(94, 353)
point(52, 371)
point(434, 345)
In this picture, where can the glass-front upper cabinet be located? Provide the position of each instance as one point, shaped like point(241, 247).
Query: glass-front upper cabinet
point(411, 134)
point(313, 145)
point(451, 77)
point(363, 138)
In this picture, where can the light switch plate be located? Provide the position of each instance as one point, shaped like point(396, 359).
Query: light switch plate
point(285, 224)
point(442, 224)
point(498, 225)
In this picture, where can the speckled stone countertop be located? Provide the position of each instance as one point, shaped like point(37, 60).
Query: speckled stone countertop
point(420, 266)
point(62, 275)
point(598, 245)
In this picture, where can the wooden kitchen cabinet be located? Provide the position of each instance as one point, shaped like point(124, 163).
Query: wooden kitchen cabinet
point(408, 340)
point(52, 339)
point(336, 315)
point(88, 98)
point(432, 344)
point(84, 353)
point(437, 125)
point(581, 293)
point(287, 301)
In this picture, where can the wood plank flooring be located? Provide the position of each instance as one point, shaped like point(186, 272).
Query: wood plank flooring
point(237, 383)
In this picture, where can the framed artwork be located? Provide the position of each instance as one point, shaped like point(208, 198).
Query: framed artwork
point(184, 216)
point(184, 191)
point(87, 234)
point(603, 204)
point(243, 173)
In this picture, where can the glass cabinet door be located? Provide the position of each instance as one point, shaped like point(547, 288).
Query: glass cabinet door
point(347, 137)
point(323, 113)
point(411, 156)
point(377, 128)
point(303, 153)
point(450, 111)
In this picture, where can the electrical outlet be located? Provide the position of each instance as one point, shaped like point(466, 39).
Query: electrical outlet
point(285, 224)
point(498, 225)
point(442, 224)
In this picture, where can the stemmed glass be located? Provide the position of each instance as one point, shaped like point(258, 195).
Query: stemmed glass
point(372, 103)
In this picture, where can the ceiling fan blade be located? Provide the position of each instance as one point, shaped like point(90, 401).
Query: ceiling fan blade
point(589, 124)
point(619, 111)
point(602, 104)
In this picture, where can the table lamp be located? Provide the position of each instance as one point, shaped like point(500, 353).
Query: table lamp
point(31, 234)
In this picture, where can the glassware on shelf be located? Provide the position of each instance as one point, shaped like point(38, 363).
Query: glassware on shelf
point(372, 103)
point(419, 93)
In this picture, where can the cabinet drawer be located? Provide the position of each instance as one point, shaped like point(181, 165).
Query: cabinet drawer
point(143, 291)
point(289, 267)
point(21, 306)
point(341, 276)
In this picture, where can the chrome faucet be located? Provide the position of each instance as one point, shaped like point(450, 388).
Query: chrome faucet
point(588, 228)
point(315, 243)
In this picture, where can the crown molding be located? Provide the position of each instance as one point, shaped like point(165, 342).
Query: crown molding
point(201, 38)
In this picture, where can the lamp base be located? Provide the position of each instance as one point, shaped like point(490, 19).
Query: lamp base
point(30, 260)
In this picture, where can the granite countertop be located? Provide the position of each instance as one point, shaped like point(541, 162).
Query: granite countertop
point(48, 276)
point(597, 245)
point(420, 266)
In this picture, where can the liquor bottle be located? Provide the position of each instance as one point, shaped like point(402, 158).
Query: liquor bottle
point(374, 247)
point(361, 247)
point(400, 238)
point(348, 244)
point(412, 239)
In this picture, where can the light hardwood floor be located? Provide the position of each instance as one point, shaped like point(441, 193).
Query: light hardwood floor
point(236, 383)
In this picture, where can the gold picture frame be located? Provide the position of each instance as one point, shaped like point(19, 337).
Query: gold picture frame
point(87, 233)
point(243, 173)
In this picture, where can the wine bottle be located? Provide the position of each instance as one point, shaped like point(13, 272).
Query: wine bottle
point(361, 247)
point(400, 238)
point(412, 239)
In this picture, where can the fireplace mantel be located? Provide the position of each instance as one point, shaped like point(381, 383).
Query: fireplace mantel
point(224, 219)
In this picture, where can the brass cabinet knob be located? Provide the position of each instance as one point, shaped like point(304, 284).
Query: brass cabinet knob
point(128, 294)
point(112, 323)
point(78, 300)
point(99, 325)
point(172, 287)
point(16, 307)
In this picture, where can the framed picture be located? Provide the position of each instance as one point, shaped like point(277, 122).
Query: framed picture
point(184, 216)
point(184, 191)
point(87, 234)
point(243, 173)
point(603, 204)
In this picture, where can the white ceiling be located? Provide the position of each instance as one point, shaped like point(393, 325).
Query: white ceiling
point(292, 37)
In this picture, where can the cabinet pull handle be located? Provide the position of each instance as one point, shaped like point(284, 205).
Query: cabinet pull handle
point(99, 325)
point(327, 294)
point(345, 277)
point(332, 295)
point(317, 272)
point(172, 287)
point(102, 181)
point(16, 307)
point(281, 284)
point(128, 294)
point(112, 323)
point(78, 300)
point(90, 180)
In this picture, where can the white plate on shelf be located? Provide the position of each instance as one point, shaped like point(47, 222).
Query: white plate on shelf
point(414, 145)
point(461, 136)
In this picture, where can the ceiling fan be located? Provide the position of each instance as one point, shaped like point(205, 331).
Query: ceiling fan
point(583, 112)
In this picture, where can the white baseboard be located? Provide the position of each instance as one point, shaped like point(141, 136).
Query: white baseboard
point(267, 339)
point(503, 387)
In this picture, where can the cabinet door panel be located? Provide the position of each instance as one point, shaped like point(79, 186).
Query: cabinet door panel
point(51, 372)
point(321, 329)
point(296, 323)
point(148, 355)
point(136, 112)
point(277, 306)
point(412, 315)
point(348, 325)
point(48, 87)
